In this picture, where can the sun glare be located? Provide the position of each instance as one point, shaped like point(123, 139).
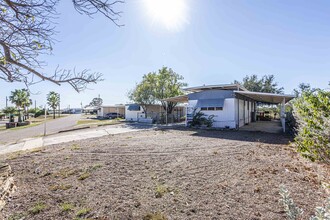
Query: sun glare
point(170, 13)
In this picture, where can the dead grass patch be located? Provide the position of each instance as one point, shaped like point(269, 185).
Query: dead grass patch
point(60, 187)
point(155, 216)
point(37, 208)
point(84, 175)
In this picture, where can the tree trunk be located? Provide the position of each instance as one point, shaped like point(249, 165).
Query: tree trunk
point(145, 111)
point(53, 113)
point(19, 116)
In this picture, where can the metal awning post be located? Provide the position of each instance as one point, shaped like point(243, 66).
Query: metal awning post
point(283, 114)
point(166, 111)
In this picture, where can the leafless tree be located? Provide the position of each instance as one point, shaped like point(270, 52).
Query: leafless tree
point(27, 28)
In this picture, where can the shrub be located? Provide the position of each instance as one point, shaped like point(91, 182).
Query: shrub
point(312, 114)
point(293, 212)
point(290, 208)
point(200, 119)
point(322, 213)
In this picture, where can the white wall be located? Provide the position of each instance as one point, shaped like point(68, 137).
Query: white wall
point(132, 115)
point(241, 113)
point(244, 112)
point(226, 117)
point(223, 118)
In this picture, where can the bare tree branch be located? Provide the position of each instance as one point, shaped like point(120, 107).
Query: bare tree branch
point(27, 28)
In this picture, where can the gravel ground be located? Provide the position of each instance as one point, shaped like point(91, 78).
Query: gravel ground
point(169, 174)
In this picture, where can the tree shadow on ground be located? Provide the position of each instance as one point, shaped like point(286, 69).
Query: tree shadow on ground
point(237, 135)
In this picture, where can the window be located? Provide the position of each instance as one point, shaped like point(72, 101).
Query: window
point(211, 108)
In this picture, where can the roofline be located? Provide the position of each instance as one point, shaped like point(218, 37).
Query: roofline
point(218, 86)
point(287, 97)
point(265, 93)
point(115, 106)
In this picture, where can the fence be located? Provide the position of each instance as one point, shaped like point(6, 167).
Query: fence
point(160, 118)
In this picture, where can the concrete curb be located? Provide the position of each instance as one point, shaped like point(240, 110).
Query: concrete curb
point(73, 129)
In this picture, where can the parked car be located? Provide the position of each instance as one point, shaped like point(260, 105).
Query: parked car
point(112, 115)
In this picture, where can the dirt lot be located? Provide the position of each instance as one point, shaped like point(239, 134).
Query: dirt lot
point(175, 174)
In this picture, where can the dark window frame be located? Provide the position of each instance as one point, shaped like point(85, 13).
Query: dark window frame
point(211, 108)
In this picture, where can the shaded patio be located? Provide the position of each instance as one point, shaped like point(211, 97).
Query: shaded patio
point(264, 126)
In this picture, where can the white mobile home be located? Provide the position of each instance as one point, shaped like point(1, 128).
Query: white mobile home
point(133, 112)
point(103, 110)
point(232, 105)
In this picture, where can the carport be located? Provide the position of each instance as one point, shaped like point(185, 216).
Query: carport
point(268, 98)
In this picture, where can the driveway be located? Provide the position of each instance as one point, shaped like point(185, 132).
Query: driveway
point(52, 126)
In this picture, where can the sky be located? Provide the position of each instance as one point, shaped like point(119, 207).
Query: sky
point(206, 41)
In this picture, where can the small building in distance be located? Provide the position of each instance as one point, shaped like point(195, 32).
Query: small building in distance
point(155, 113)
point(105, 109)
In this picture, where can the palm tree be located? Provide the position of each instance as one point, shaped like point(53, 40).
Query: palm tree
point(9, 110)
point(53, 100)
point(20, 98)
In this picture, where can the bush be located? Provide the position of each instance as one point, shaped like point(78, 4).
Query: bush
point(293, 211)
point(200, 119)
point(312, 115)
point(37, 112)
point(290, 208)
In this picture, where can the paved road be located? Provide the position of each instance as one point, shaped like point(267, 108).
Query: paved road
point(72, 136)
point(52, 126)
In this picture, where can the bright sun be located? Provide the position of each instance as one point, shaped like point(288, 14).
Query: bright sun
point(171, 13)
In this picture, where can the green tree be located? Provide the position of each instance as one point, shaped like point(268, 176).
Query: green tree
point(21, 99)
point(96, 102)
point(53, 100)
point(302, 87)
point(251, 83)
point(169, 84)
point(9, 110)
point(143, 93)
point(265, 84)
point(156, 86)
